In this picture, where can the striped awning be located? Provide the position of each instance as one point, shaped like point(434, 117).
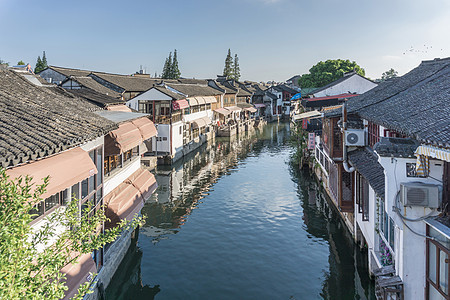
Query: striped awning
point(422, 166)
point(433, 152)
point(210, 99)
point(180, 104)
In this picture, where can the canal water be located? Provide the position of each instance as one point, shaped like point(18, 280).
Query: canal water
point(235, 220)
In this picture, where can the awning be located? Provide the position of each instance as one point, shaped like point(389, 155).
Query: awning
point(210, 99)
point(77, 274)
point(65, 169)
point(251, 109)
point(201, 122)
point(126, 137)
point(128, 198)
point(222, 111)
point(180, 104)
point(259, 105)
point(296, 96)
point(119, 107)
point(192, 101)
point(200, 100)
point(233, 108)
point(146, 128)
point(307, 115)
point(433, 152)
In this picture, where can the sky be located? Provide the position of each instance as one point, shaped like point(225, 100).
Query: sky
point(274, 39)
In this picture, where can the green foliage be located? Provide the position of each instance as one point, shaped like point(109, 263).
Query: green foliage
point(20, 63)
point(31, 258)
point(236, 68)
point(41, 64)
point(228, 69)
point(170, 69)
point(326, 72)
point(389, 74)
point(175, 71)
point(299, 140)
point(2, 62)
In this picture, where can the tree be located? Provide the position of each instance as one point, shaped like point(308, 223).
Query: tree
point(20, 63)
point(389, 74)
point(44, 60)
point(326, 72)
point(167, 70)
point(2, 62)
point(236, 69)
point(29, 273)
point(175, 71)
point(228, 69)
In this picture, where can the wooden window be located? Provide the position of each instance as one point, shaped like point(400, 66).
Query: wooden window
point(373, 133)
point(437, 266)
point(346, 193)
point(362, 196)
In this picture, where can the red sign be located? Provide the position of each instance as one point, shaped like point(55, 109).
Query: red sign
point(311, 141)
point(304, 124)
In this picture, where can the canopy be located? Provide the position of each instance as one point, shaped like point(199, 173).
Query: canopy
point(200, 100)
point(77, 274)
point(307, 115)
point(297, 96)
point(233, 108)
point(180, 104)
point(222, 111)
point(210, 99)
point(259, 105)
point(128, 198)
point(192, 101)
point(251, 109)
point(201, 122)
point(146, 128)
point(433, 152)
point(125, 138)
point(65, 169)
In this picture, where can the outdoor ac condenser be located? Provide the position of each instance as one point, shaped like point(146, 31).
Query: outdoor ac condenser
point(355, 137)
point(420, 194)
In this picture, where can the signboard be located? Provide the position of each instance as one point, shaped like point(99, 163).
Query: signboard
point(304, 124)
point(311, 141)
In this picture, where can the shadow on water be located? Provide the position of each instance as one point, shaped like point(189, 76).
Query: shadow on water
point(183, 188)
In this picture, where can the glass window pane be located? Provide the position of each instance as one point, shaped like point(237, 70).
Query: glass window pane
point(391, 233)
point(51, 202)
point(99, 196)
point(75, 193)
point(434, 294)
point(432, 262)
point(38, 210)
point(92, 183)
point(84, 188)
point(65, 197)
point(84, 206)
point(443, 271)
point(99, 166)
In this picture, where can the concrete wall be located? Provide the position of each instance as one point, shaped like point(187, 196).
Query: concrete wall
point(353, 84)
point(151, 94)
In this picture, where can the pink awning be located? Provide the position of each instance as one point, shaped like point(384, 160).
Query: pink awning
point(251, 109)
point(259, 105)
point(222, 111)
point(180, 104)
point(233, 108)
point(65, 169)
point(126, 137)
point(146, 127)
point(128, 198)
point(77, 274)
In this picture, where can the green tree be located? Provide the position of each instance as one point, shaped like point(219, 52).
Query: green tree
point(175, 70)
point(236, 68)
point(31, 259)
point(44, 60)
point(228, 69)
point(389, 74)
point(326, 72)
point(20, 63)
point(167, 70)
point(2, 62)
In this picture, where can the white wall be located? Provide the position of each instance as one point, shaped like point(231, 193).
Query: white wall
point(111, 182)
point(409, 248)
point(177, 137)
point(152, 94)
point(353, 84)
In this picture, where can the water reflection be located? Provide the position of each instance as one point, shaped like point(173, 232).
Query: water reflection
point(264, 230)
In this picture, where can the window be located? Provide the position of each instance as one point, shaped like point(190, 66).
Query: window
point(373, 134)
point(146, 107)
point(438, 266)
point(362, 196)
point(386, 224)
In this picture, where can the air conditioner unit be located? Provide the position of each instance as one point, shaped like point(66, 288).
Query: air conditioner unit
point(420, 194)
point(355, 137)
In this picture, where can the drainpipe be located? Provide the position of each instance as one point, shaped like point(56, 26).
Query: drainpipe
point(344, 147)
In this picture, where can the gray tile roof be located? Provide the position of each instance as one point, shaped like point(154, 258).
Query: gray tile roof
point(344, 78)
point(95, 97)
point(168, 92)
point(127, 82)
point(70, 71)
point(416, 104)
point(90, 83)
point(366, 162)
point(396, 147)
point(38, 121)
point(285, 88)
point(192, 90)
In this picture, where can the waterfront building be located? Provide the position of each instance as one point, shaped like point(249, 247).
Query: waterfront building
point(400, 162)
point(89, 153)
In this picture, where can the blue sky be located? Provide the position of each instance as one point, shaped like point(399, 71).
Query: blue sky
point(274, 39)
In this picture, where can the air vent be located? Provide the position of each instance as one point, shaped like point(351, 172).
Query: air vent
point(354, 137)
point(420, 194)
